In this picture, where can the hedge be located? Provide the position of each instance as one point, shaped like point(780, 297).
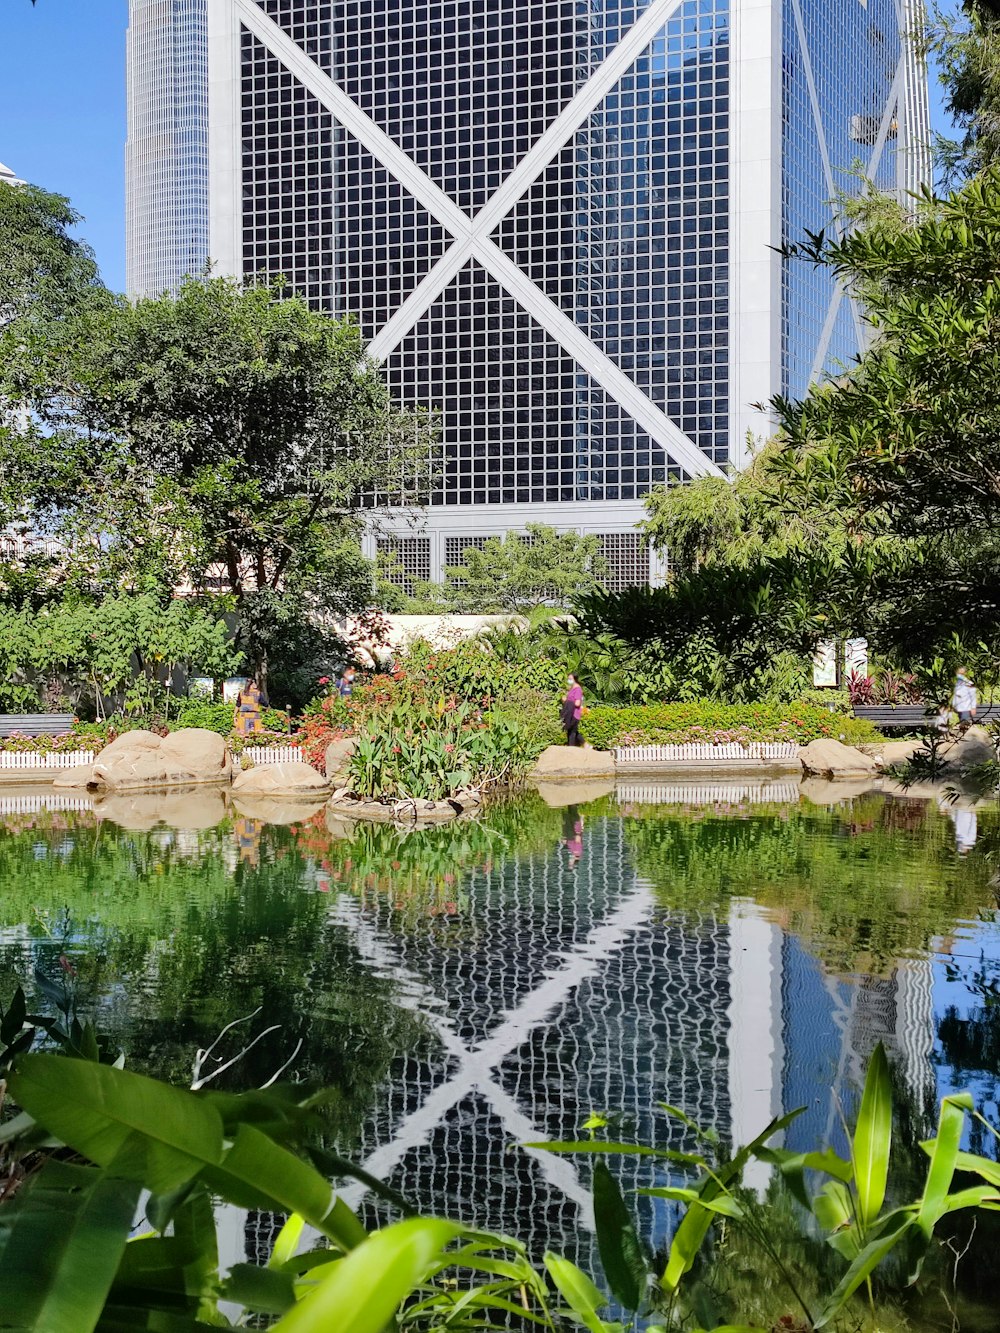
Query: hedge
point(680, 723)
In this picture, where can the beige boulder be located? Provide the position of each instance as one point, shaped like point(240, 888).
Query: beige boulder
point(338, 756)
point(79, 777)
point(292, 779)
point(827, 758)
point(141, 759)
point(200, 752)
point(195, 808)
point(558, 762)
point(279, 809)
point(577, 791)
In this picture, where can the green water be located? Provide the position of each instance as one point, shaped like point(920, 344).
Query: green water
point(464, 990)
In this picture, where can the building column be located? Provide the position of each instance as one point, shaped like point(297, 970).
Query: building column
point(755, 220)
point(225, 191)
point(756, 1038)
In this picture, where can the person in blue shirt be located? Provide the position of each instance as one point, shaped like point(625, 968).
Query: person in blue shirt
point(345, 686)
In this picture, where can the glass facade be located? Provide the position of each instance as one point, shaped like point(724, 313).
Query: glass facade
point(842, 114)
point(166, 153)
point(536, 212)
point(626, 231)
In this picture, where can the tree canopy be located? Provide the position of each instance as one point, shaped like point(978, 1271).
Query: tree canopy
point(223, 440)
point(875, 510)
point(45, 271)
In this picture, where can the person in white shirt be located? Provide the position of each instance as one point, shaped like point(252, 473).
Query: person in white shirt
point(964, 699)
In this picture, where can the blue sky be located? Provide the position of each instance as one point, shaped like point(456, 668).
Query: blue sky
point(62, 110)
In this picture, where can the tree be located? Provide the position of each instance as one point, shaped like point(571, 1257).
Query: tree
point(966, 45)
point(44, 272)
point(876, 510)
point(224, 440)
point(517, 572)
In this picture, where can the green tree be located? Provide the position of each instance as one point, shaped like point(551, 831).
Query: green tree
point(224, 440)
point(44, 271)
point(517, 572)
point(876, 509)
point(965, 44)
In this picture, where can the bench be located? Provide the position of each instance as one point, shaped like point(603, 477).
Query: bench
point(912, 717)
point(35, 724)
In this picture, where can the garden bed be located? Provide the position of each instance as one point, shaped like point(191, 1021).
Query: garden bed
point(718, 725)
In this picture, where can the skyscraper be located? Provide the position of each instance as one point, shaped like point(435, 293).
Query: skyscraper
point(166, 152)
point(558, 223)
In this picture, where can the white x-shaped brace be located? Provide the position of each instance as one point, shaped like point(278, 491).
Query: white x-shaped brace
point(472, 235)
point(478, 1065)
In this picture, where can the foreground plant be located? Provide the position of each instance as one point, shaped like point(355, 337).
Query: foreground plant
point(100, 1146)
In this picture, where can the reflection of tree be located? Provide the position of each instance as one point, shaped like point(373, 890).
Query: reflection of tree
point(175, 939)
point(863, 885)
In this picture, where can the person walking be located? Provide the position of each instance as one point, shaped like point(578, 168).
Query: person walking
point(572, 710)
point(345, 686)
point(964, 700)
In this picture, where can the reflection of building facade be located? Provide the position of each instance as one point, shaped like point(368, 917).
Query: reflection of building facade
point(557, 224)
point(166, 151)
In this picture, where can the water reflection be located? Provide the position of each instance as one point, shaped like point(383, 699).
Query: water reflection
point(736, 950)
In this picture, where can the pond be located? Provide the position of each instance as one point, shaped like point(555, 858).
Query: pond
point(736, 950)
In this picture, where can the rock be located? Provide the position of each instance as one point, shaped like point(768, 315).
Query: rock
point(975, 747)
point(832, 759)
point(823, 791)
point(140, 759)
point(294, 778)
point(197, 751)
point(573, 761)
point(338, 755)
point(558, 795)
point(194, 809)
point(897, 752)
point(339, 826)
point(278, 809)
point(80, 776)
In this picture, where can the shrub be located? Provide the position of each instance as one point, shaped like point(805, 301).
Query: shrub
point(474, 669)
point(714, 723)
point(219, 717)
point(430, 752)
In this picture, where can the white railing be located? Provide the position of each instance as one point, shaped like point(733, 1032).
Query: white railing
point(272, 754)
point(709, 793)
point(643, 756)
point(23, 760)
point(32, 805)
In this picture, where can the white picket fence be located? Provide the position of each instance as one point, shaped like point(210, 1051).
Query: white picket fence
point(31, 805)
point(25, 761)
point(273, 754)
point(707, 793)
point(646, 756)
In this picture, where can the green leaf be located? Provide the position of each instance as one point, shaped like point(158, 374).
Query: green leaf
point(873, 1139)
point(862, 1267)
point(61, 1240)
point(367, 1287)
point(617, 1241)
point(157, 1135)
point(833, 1209)
point(256, 1170)
point(944, 1161)
point(260, 1290)
point(287, 1242)
point(696, 1221)
point(725, 1205)
point(577, 1290)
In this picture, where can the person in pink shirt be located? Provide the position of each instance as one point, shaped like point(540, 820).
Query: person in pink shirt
point(572, 709)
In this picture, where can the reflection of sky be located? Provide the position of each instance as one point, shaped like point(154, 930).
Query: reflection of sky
point(974, 946)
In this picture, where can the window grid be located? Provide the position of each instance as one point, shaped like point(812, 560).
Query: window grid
point(407, 560)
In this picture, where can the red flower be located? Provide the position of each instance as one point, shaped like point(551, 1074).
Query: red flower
point(324, 680)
